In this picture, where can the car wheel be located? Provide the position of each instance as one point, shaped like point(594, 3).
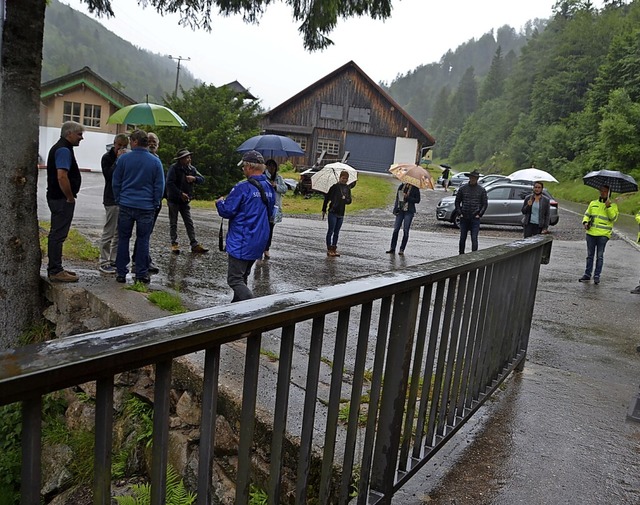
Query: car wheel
point(456, 220)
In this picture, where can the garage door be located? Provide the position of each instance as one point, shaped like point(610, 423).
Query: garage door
point(370, 153)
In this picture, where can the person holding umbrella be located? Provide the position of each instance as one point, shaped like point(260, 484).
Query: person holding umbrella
point(598, 222)
point(337, 198)
point(404, 209)
point(536, 209)
point(445, 175)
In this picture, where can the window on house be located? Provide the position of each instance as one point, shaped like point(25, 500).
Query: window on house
point(328, 111)
point(92, 114)
point(71, 112)
point(302, 141)
point(359, 115)
point(331, 146)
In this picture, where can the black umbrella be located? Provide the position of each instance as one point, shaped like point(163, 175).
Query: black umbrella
point(617, 181)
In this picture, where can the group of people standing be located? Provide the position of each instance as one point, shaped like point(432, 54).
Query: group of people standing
point(135, 185)
point(132, 197)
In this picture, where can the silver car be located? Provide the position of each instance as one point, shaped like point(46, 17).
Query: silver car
point(504, 205)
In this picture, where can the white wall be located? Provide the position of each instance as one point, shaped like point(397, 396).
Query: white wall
point(88, 153)
point(406, 150)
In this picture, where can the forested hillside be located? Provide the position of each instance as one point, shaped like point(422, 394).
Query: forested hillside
point(73, 40)
point(418, 91)
point(569, 103)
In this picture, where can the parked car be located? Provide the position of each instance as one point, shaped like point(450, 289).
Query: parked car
point(457, 179)
point(505, 205)
point(488, 180)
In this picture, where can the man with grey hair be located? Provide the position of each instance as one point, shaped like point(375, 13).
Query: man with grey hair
point(63, 185)
point(248, 208)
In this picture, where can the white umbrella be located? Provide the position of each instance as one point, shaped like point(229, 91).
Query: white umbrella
point(330, 175)
point(532, 174)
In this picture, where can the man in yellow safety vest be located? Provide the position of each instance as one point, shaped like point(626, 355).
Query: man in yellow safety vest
point(598, 222)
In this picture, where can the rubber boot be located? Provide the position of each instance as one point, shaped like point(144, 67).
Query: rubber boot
point(335, 251)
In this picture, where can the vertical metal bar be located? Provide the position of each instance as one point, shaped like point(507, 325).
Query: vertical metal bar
point(310, 399)
point(421, 340)
point(281, 410)
point(103, 442)
point(247, 420)
point(428, 365)
point(481, 333)
point(374, 399)
point(437, 410)
point(208, 424)
point(353, 425)
point(31, 472)
point(414, 387)
point(437, 373)
point(402, 328)
point(474, 341)
point(334, 405)
point(459, 330)
point(159, 458)
point(451, 354)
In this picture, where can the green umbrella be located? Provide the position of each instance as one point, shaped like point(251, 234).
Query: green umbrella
point(146, 113)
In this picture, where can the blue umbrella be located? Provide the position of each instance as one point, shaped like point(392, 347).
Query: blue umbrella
point(271, 145)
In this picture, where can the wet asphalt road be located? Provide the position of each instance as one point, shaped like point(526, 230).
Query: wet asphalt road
point(556, 434)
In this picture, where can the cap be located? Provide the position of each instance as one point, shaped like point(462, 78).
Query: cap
point(251, 157)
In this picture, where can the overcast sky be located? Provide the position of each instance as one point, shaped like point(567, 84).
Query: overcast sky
point(270, 61)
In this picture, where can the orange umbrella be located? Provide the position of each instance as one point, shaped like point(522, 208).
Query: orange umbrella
point(412, 174)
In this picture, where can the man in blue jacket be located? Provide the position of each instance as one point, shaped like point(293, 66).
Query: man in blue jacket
point(138, 186)
point(247, 207)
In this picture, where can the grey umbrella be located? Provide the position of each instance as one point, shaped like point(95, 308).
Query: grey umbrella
point(617, 181)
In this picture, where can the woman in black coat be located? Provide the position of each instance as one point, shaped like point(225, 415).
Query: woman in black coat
point(404, 210)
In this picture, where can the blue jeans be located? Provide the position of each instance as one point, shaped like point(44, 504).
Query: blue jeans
point(595, 247)
point(335, 223)
point(61, 217)
point(403, 219)
point(469, 225)
point(143, 220)
point(237, 274)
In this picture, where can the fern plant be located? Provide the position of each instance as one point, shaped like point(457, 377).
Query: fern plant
point(176, 493)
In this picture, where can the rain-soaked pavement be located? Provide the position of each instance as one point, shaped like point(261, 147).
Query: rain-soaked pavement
point(556, 434)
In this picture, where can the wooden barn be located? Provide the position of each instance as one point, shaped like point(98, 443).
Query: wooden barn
point(346, 115)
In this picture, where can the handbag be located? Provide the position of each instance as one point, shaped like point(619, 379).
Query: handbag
point(221, 245)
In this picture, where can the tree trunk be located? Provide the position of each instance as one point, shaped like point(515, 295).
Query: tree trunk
point(20, 65)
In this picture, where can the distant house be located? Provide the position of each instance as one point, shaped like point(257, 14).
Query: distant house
point(87, 98)
point(347, 115)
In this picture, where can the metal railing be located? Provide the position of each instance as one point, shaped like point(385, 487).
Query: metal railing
point(415, 351)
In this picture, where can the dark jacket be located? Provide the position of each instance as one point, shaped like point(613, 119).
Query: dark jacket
point(108, 164)
point(543, 212)
point(177, 182)
point(471, 201)
point(412, 196)
point(338, 196)
point(53, 187)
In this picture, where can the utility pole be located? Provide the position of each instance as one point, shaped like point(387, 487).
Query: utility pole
point(179, 58)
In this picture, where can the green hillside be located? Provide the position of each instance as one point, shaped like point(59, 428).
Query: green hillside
point(73, 40)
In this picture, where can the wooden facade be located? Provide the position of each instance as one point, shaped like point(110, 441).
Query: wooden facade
point(347, 112)
point(81, 96)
